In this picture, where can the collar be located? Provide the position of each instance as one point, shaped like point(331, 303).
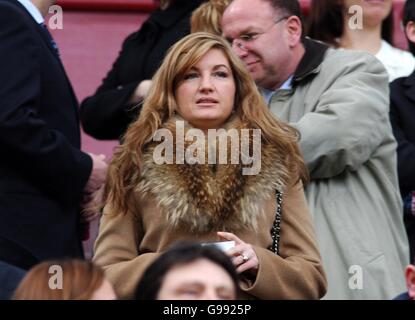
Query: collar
point(311, 61)
point(288, 83)
point(267, 94)
point(174, 12)
point(33, 10)
point(409, 84)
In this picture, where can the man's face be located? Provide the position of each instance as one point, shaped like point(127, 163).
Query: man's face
point(259, 37)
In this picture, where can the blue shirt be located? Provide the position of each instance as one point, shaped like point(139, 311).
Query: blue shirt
point(267, 94)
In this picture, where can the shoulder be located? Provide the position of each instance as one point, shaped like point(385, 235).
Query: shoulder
point(10, 12)
point(399, 63)
point(130, 38)
point(402, 84)
point(390, 52)
point(397, 84)
point(344, 59)
point(14, 20)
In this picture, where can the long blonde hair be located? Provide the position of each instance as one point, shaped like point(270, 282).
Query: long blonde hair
point(208, 15)
point(160, 104)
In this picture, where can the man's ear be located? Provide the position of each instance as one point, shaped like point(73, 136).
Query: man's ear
point(410, 280)
point(410, 31)
point(294, 29)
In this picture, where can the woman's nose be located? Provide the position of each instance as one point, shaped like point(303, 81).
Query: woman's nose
point(206, 83)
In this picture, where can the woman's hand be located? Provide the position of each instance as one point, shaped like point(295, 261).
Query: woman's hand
point(243, 254)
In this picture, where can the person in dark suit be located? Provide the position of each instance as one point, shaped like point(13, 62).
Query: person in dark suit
point(107, 113)
point(402, 114)
point(43, 174)
point(10, 277)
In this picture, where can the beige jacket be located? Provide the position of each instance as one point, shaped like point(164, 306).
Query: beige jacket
point(179, 202)
point(340, 105)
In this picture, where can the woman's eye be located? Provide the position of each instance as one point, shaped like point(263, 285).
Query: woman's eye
point(221, 74)
point(191, 75)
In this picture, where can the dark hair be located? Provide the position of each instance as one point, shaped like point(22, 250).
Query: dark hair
point(290, 8)
point(180, 254)
point(325, 22)
point(409, 15)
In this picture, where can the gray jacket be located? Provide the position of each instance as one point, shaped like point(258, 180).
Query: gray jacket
point(339, 103)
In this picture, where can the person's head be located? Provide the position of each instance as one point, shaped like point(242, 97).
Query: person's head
point(189, 271)
point(408, 21)
point(328, 19)
point(208, 15)
point(410, 279)
point(267, 36)
point(65, 280)
point(203, 81)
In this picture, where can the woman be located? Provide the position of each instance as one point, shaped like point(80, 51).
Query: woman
point(108, 112)
point(65, 280)
point(338, 24)
point(154, 197)
point(189, 271)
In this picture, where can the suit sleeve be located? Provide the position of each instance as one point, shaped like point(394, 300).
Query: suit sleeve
point(350, 121)
point(107, 113)
point(297, 272)
point(116, 251)
point(406, 148)
point(43, 155)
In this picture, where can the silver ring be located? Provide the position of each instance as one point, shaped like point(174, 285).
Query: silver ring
point(245, 258)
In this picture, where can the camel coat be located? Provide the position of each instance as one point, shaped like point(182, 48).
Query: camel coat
point(170, 204)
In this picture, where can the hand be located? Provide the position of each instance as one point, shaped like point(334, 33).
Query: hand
point(141, 91)
point(98, 173)
point(91, 205)
point(243, 254)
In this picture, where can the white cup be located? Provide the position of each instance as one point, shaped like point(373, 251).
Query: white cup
point(223, 245)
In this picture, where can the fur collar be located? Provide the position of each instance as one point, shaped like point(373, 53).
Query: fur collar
point(206, 197)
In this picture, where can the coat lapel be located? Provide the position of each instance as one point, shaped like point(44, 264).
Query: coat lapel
point(410, 87)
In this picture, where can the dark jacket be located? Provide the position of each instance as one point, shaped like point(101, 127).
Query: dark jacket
point(42, 170)
point(402, 114)
point(107, 114)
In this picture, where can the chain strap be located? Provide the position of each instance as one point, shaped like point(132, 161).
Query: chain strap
point(276, 227)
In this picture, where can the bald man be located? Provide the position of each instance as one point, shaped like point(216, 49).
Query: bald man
point(338, 100)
